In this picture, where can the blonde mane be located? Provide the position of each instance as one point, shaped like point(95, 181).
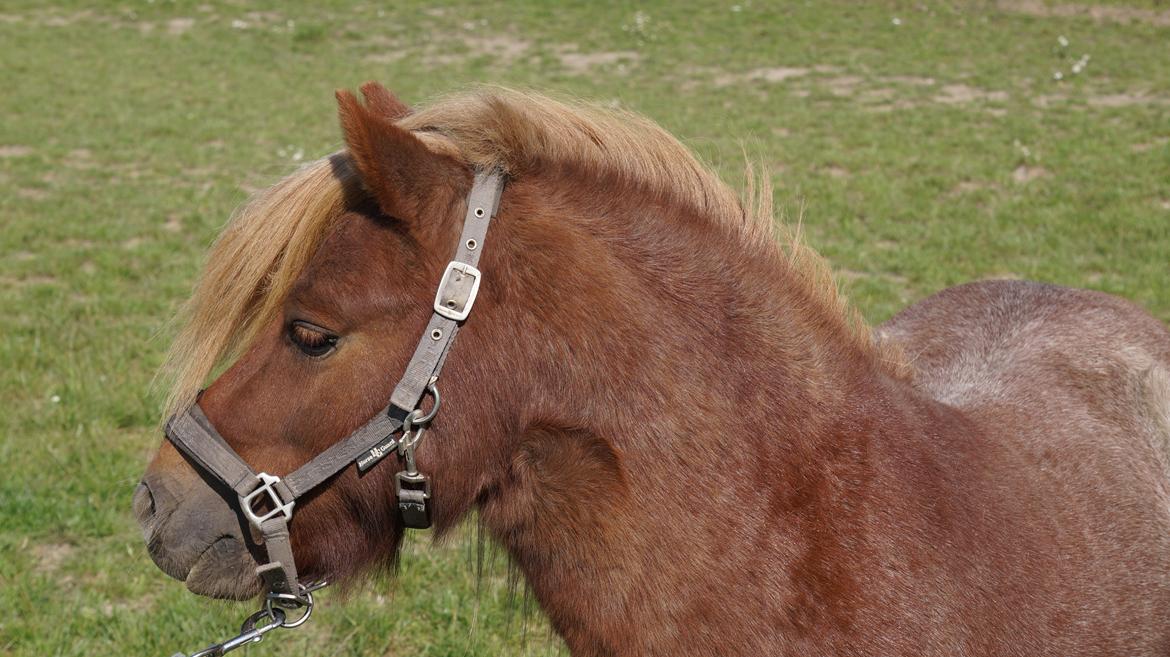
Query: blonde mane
point(255, 261)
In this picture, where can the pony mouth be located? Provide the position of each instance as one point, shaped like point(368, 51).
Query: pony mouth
point(225, 570)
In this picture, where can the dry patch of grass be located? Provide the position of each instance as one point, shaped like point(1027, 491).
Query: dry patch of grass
point(49, 557)
point(15, 151)
point(1024, 174)
point(581, 63)
point(1101, 13)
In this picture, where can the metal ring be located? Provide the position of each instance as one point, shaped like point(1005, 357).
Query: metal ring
point(416, 417)
point(294, 602)
point(300, 621)
point(472, 245)
point(289, 601)
point(275, 613)
point(479, 212)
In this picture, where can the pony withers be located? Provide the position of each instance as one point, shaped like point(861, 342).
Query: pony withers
point(660, 407)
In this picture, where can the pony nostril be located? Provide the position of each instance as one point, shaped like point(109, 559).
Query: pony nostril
point(143, 503)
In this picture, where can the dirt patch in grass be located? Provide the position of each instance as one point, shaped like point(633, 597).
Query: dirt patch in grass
point(960, 94)
point(1126, 100)
point(178, 26)
point(49, 557)
point(80, 158)
point(843, 85)
point(967, 187)
point(900, 104)
point(15, 151)
point(583, 62)
point(774, 74)
point(501, 47)
point(910, 80)
point(1113, 100)
point(1099, 13)
point(834, 171)
point(27, 281)
point(61, 20)
point(877, 95)
point(1150, 145)
point(1024, 174)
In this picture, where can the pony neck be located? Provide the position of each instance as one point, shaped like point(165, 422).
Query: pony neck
point(699, 398)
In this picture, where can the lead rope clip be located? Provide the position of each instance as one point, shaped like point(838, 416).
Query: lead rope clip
point(276, 609)
point(411, 487)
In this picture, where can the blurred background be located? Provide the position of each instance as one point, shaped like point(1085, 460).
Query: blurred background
point(920, 144)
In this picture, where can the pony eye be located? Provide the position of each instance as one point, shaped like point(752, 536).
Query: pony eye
point(311, 340)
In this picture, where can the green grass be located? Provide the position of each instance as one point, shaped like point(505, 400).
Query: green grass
point(920, 155)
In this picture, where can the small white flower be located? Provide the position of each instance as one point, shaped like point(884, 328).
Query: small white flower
point(1077, 68)
point(239, 24)
point(896, 20)
point(736, 8)
point(1062, 40)
point(1058, 76)
point(56, 399)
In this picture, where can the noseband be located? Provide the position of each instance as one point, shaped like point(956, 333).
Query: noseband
point(267, 501)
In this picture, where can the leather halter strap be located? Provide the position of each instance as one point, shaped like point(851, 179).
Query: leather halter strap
point(193, 434)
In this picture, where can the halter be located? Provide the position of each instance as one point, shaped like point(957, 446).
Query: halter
point(267, 501)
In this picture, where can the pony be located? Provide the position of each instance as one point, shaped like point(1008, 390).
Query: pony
point(663, 410)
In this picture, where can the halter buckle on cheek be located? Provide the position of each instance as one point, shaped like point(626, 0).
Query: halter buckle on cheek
point(457, 291)
point(267, 487)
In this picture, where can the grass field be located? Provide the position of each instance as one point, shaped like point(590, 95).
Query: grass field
point(925, 144)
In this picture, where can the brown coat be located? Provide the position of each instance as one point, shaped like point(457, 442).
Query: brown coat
point(667, 419)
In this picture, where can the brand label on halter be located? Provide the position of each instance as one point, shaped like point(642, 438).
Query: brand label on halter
point(377, 453)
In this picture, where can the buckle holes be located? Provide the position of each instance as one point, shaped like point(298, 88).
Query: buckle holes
point(472, 245)
point(479, 212)
point(436, 334)
point(450, 303)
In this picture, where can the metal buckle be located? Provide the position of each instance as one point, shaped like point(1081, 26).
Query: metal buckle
point(267, 483)
point(457, 291)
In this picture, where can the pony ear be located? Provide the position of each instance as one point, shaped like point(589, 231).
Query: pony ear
point(382, 102)
point(409, 181)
